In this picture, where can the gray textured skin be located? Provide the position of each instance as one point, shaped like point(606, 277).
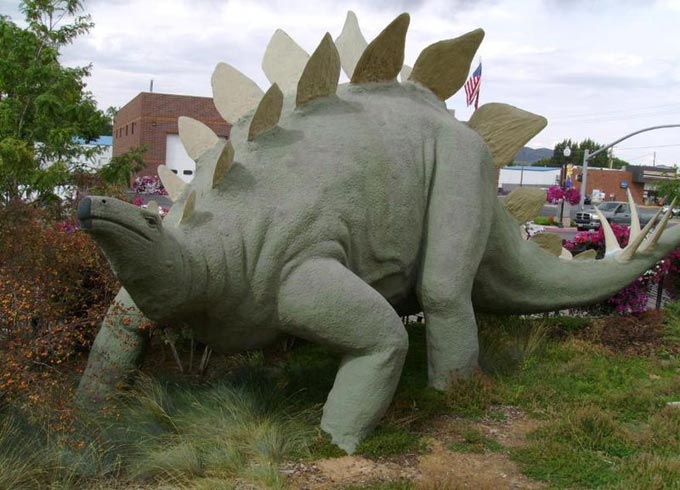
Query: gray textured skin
point(355, 210)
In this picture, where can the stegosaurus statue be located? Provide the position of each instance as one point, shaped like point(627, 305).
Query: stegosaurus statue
point(332, 212)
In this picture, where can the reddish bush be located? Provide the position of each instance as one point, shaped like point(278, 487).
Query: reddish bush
point(55, 287)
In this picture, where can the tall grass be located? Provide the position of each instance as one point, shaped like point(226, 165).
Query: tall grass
point(187, 437)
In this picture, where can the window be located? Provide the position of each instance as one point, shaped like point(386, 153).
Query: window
point(133, 128)
point(126, 130)
point(188, 172)
point(174, 171)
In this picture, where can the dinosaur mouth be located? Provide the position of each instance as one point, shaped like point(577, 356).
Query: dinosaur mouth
point(85, 213)
point(88, 220)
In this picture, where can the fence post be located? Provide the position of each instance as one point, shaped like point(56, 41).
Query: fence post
point(659, 291)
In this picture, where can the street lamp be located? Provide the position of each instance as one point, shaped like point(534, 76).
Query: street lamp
point(567, 153)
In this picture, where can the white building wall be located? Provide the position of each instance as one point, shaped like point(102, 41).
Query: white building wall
point(542, 178)
point(101, 158)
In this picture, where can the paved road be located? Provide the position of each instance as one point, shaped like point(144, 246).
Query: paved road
point(568, 233)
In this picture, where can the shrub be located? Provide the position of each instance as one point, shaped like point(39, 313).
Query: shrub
point(55, 287)
point(570, 195)
point(149, 184)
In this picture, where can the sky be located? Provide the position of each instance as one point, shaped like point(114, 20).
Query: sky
point(595, 69)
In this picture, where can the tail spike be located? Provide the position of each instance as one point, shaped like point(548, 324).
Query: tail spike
point(268, 112)
point(443, 67)
point(351, 44)
point(173, 184)
point(650, 244)
point(321, 74)
point(223, 164)
point(284, 61)
point(196, 137)
point(234, 94)
point(189, 207)
point(611, 243)
point(634, 218)
point(634, 241)
point(383, 58)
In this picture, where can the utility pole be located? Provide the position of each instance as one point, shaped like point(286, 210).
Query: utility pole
point(584, 176)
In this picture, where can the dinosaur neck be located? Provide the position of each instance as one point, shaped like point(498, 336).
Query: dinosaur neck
point(516, 276)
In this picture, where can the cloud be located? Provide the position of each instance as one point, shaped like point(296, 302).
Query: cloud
point(553, 57)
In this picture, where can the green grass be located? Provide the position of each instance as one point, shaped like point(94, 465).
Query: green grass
point(606, 424)
point(544, 220)
point(474, 441)
point(604, 419)
point(390, 440)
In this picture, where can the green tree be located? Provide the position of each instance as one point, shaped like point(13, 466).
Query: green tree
point(577, 150)
point(110, 116)
point(120, 169)
point(669, 190)
point(45, 111)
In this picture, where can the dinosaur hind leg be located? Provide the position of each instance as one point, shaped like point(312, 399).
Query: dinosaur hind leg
point(323, 301)
point(456, 231)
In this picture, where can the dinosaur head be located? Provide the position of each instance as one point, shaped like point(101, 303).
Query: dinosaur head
point(147, 257)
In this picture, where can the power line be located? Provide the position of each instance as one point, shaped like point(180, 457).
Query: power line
point(645, 147)
point(639, 156)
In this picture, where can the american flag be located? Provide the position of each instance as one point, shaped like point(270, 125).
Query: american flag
point(472, 86)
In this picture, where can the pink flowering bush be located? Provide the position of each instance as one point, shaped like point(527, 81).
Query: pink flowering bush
point(555, 193)
point(149, 184)
point(594, 240)
point(572, 196)
point(632, 298)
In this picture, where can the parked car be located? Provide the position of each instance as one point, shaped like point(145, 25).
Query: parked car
point(675, 212)
point(615, 211)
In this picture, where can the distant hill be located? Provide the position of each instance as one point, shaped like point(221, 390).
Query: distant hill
point(530, 155)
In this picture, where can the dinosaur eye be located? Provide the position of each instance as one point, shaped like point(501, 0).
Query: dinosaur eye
point(151, 221)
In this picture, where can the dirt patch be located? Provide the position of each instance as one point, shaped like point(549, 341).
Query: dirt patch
point(350, 470)
point(441, 467)
point(640, 334)
point(446, 469)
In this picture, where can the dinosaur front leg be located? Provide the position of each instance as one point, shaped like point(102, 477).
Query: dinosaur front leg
point(324, 302)
point(117, 350)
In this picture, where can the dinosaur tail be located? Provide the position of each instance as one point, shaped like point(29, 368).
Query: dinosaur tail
point(517, 276)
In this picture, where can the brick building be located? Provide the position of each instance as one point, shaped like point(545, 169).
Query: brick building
point(150, 119)
point(612, 183)
point(604, 184)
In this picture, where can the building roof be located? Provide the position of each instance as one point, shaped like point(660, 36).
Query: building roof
point(104, 140)
point(529, 168)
